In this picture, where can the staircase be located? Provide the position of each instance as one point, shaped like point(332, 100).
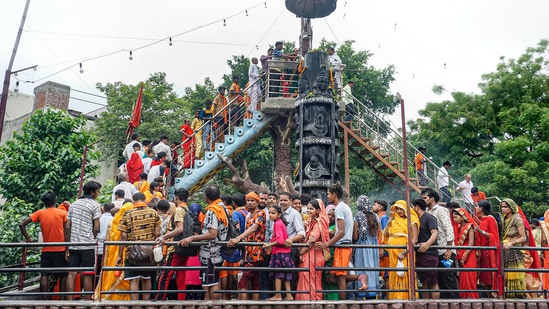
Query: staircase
point(204, 170)
point(388, 167)
point(374, 141)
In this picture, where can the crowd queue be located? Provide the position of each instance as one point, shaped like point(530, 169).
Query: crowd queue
point(284, 232)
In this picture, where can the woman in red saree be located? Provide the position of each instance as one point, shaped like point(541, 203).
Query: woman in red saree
point(531, 260)
point(488, 233)
point(466, 257)
point(317, 231)
point(187, 143)
point(134, 167)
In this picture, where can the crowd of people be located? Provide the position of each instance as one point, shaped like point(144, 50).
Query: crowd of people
point(285, 232)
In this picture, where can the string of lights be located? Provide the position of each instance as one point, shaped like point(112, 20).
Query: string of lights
point(154, 41)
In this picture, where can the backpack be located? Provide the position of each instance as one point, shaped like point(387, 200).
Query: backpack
point(190, 226)
point(232, 254)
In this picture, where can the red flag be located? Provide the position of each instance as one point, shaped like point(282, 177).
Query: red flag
point(136, 114)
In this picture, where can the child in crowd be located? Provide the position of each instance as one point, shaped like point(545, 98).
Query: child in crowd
point(280, 256)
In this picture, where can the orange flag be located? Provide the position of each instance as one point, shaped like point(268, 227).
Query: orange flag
point(136, 114)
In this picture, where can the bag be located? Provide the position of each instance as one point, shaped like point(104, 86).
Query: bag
point(400, 273)
point(140, 255)
point(232, 254)
point(190, 226)
point(326, 252)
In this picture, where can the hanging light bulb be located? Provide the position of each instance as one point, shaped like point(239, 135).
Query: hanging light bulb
point(224, 23)
point(170, 41)
point(16, 89)
point(81, 69)
point(131, 55)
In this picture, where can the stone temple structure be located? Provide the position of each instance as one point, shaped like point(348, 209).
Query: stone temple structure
point(317, 139)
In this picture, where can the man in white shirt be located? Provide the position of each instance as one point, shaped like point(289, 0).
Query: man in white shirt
point(129, 189)
point(347, 98)
point(336, 63)
point(147, 160)
point(128, 150)
point(157, 171)
point(443, 179)
point(163, 146)
point(104, 222)
point(465, 189)
point(343, 235)
point(254, 91)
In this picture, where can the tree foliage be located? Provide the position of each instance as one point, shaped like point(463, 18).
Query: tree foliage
point(508, 123)
point(14, 211)
point(163, 112)
point(239, 67)
point(193, 99)
point(46, 156)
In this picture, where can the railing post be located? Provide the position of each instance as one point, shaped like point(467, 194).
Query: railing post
point(21, 281)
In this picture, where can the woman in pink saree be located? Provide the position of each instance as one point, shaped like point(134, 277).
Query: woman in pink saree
point(317, 231)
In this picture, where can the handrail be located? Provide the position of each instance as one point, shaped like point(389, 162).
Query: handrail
point(300, 268)
point(209, 123)
point(389, 145)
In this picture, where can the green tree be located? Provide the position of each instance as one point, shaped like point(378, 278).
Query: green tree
point(508, 123)
point(46, 156)
point(162, 113)
point(13, 212)
point(193, 99)
point(239, 67)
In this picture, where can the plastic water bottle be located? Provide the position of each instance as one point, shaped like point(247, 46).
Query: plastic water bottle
point(157, 252)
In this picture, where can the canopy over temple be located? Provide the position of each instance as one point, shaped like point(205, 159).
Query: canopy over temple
point(311, 8)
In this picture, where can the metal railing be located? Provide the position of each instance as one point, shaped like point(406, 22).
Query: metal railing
point(211, 129)
point(25, 268)
point(382, 133)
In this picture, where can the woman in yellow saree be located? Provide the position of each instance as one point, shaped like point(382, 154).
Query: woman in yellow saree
point(396, 232)
point(109, 281)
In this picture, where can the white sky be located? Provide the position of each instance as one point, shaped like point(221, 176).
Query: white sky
point(451, 43)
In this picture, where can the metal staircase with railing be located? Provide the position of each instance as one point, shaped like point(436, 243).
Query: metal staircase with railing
point(248, 127)
point(376, 143)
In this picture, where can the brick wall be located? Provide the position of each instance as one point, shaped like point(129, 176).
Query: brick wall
point(51, 95)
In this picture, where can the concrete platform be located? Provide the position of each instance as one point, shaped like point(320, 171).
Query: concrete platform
point(369, 304)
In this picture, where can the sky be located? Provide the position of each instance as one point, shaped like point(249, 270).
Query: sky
point(448, 43)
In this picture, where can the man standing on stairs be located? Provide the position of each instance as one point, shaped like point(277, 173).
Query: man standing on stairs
point(220, 114)
point(443, 179)
point(254, 91)
point(235, 98)
point(347, 98)
point(206, 115)
point(465, 188)
point(419, 162)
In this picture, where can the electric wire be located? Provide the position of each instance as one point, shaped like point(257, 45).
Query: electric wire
point(262, 3)
point(88, 101)
point(89, 93)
